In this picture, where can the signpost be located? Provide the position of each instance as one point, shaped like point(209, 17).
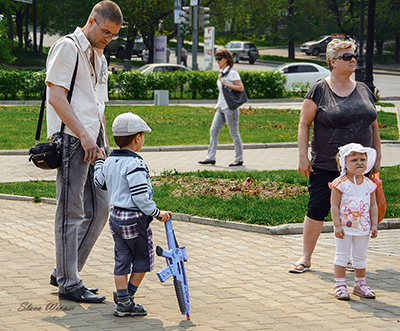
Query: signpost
point(160, 49)
point(208, 48)
point(178, 20)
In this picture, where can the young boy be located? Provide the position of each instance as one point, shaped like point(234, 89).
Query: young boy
point(126, 177)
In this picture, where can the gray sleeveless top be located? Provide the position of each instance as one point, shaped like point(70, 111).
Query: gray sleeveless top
point(339, 121)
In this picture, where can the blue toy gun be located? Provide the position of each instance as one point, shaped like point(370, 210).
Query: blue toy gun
point(175, 257)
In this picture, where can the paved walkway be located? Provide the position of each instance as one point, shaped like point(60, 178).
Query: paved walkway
point(237, 280)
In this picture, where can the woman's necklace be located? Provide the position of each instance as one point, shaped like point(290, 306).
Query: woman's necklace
point(344, 90)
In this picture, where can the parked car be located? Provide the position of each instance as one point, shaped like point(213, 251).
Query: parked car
point(303, 73)
point(162, 67)
point(317, 46)
point(245, 51)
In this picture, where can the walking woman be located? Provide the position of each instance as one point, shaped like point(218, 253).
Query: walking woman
point(231, 79)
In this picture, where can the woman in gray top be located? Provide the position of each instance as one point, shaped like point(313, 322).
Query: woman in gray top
point(341, 111)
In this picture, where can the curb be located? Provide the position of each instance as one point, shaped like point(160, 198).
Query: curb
point(151, 102)
point(176, 101)
point(285, 229)
point(186, 148)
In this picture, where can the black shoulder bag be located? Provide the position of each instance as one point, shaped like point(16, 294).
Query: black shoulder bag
point(48, 155)
point(233, 98)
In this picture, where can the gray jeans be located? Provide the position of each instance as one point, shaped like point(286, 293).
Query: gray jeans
point(82, 211)
point(231, 117)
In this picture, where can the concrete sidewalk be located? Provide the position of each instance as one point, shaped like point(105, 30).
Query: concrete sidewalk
point(16, 166)
point(237, 281)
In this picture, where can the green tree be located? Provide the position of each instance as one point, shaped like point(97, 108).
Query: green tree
point(5, 44)
point(385, 14)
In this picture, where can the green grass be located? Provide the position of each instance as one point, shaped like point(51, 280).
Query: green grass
point(249, 209)
point(177, 125)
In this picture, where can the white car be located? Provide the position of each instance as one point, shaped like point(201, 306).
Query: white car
point(162, 67)
point(298, 74)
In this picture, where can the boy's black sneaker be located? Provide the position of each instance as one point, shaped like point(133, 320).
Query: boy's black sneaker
point(129, 309)
point(115, 296)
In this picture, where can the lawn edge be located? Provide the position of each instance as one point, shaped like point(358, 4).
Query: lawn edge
point(285, 229)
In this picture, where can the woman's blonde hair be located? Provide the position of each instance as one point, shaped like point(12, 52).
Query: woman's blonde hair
point(335, 46)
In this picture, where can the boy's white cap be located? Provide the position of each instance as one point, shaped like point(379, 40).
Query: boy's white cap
point(353, 147)
point(128, 124)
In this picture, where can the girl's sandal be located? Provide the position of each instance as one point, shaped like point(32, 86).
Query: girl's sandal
point(362, 290)
point(341, 292)
point(349, 266)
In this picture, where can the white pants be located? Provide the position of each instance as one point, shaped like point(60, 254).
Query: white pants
point(356, 244)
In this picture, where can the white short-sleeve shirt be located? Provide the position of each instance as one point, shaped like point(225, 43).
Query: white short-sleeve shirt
point(90, 89)
point(229, 78)
point(355, 204)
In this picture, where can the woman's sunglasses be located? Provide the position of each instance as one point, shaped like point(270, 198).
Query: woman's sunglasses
point(219, 58)
point(347, 57)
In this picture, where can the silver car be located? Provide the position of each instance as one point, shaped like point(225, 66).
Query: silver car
point(244, 51)
point(316, 47)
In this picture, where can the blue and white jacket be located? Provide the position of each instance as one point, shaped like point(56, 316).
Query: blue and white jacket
point(126, 178)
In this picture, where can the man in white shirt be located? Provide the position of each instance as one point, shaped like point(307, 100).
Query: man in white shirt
point(82, 209)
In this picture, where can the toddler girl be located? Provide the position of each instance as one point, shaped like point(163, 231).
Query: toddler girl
point(355, 216)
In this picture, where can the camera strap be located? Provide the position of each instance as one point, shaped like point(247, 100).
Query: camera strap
point(69, 96)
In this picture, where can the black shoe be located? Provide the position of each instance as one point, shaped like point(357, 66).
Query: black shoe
point(129, 309)
point(207, 162)
point(235, 164)
point(82, 295)
point(53, 281)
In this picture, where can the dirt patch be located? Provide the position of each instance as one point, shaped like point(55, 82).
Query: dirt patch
point(226, 188)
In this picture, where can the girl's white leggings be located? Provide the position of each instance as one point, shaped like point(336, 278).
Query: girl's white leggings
point(356, 244)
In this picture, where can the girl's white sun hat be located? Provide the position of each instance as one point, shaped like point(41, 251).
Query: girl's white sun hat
point(354, 147)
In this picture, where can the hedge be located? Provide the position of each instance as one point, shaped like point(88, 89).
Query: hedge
point(28, 84)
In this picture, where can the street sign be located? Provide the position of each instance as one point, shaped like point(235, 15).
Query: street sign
point(208, 48)
point(194, 2)
point(177, 4)
point(178, 16)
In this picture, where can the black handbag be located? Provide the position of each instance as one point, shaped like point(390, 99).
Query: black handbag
point(233, 98)
point(48, 155)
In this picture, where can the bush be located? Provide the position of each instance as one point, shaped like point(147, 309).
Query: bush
point(135, 85)
point(132, 84)
point(199, 84)
point(26, 82)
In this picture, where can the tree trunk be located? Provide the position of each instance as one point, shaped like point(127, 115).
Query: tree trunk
point(34, 26)
point(42, 31)
point(379, 47)
point(397, 50)
point(10, 32)
point(18, 21)
point(130, 43)
point(26, 26)
point(291, 54)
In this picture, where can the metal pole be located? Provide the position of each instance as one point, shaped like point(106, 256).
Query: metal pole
point(369, 77)
point(179, 45)
point(360, 71)
point(195, 40)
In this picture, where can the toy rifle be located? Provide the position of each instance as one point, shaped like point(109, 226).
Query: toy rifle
point(175, 257)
